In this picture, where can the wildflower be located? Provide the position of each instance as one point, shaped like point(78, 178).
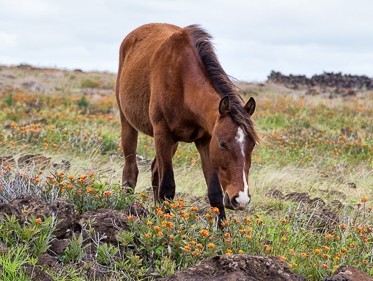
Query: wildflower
point(352, 245)
point(324, 265)
point(143, 195)
point(284, 221)
point(227, 235)
point(248, 237)
point(326, 256)
point(147, 235)
point(149, 223)
point(38, 220)
point(304, 255)
point(156, 228)
point(159, 212)
point(108, 193)
point(160, 233)
point(187, 248)
point(267, 248)
point(196, 252)
point(91, 174)
point(241, 252)
point(364, 199)
point(329, 236)
point(215, 210)
point(199, 245)
point(284, 239)
point(204, 232)
point(283, 258)
point(181, 202)
point(229, 252)
point(365, 262)
point(211, 246)
point(60, 175)
point(292, 252)
point(326, 248)
point(89, 189)
point(71, 178)
point(344, 249)
point(131, 218)
point(208, 216)
point(192, 242)
point(185, 215)
point(193, 209)
point(36, 179)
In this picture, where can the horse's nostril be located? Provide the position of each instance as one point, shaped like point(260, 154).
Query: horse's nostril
point(234, 202)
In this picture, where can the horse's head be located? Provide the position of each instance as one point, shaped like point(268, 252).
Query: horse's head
point(230, 151)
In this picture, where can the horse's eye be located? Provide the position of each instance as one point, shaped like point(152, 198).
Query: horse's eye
point(223, 145)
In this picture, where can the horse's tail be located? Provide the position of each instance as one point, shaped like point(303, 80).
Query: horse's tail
point(121, 60)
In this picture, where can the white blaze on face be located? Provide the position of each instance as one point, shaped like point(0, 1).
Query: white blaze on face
point(243, 197)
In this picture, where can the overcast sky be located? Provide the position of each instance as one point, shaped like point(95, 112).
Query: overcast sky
point(252, 37)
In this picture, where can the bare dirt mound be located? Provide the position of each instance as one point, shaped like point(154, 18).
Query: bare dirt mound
point(238, 267)
point(349, 273)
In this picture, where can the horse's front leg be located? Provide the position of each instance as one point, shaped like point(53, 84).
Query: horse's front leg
point(214, 192)
point(165, 148)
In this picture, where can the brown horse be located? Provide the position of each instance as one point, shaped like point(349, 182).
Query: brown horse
point(171, 86)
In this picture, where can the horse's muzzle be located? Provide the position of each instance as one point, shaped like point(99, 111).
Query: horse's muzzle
point(234, 203)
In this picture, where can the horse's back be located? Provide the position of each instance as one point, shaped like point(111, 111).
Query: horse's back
point(133, 84)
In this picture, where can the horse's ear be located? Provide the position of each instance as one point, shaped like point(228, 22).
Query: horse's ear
point(224, 106)
point(250, 106)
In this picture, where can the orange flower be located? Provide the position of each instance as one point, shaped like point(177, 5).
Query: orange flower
point(187, 248)
point(364, 199)
point(156, 228)
point(108, 193)
point(38, 220)
point(193, 209)
point(204, 232)
point(215, 210)
point(325, 266)
point(148, 223)
point(267, 248)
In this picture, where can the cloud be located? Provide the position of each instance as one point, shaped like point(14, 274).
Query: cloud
point(251, 37)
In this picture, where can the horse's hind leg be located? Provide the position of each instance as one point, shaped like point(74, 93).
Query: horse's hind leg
point(129, 145)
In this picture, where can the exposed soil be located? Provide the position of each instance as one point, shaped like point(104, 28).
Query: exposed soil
point(238, 267)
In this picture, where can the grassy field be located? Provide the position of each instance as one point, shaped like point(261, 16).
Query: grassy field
point(315, 158)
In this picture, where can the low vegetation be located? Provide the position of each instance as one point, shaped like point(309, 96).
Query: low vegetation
point(311, 181)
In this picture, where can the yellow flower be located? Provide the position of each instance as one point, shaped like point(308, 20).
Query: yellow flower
point(344, 249)
point(148, 235)
point(248, 237)
point(329, 236)
point(317, 251)
point(283, 258)
point(229, 252)
point(240, 251)
point(199, 245)
point(149, 223)
point(284, 239)
point(326, 248)
point(211, 246)
point(304, 255)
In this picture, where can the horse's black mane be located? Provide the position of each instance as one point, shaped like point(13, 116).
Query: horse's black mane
point(219, 79)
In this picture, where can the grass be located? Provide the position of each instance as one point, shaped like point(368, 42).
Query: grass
point(311, 144)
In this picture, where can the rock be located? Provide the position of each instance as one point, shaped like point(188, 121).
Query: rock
point(46, 260)
point(274, 193)
point(105, 222)
point(238, 267)
point(32, 160)
point(350, 273)
point(58, 246)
